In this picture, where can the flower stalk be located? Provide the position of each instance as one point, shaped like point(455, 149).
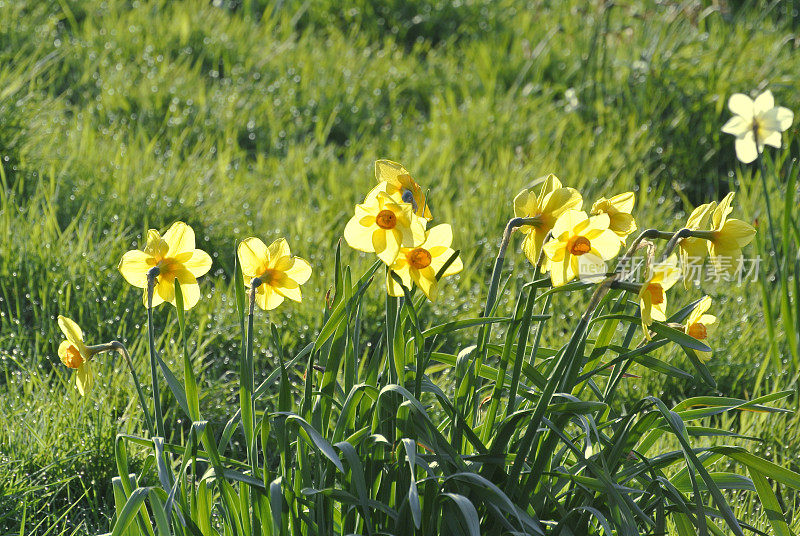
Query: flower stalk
point(152, 275)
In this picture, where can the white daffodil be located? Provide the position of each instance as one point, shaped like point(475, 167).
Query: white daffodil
point(756, 123)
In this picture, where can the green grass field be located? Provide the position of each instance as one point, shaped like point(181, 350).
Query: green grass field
point(244, 118)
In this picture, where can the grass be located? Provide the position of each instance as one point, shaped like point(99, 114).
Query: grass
point(242, 119)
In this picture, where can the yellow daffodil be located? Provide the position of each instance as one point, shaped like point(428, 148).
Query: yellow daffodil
point(701, 325)
point(75, 354)
point(421, 264)
point(280, 274)
point(619, 210)
point(653, 294)
point(382, 225)
point(580, 247)
point(728, 237)
point(693, 250)
point(756, 123)
point(551, 202)
point(397, 182)
point(176, 257)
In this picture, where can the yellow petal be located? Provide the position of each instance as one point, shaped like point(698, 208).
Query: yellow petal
point(426, 281)
point(532, 245)
point(267, 298)
point(523, 204)
point(84, 378)
point(199, 263)
point(134, 266)
point(387, 244)
point(723, 209)
point(440, 235)
point(698, 311)
point(560, 270)
point(253, 256)
point(71, 330)
point(386, 170)
point(567, 222)
point(156, 246)
point(191, 294)
point(555, 250)
point(623, 202)
point(299, 271)
point(279, 248)
point(359, 236)
point(391, 286)
point(606, 245)
point(179, 238)
point(699, 216)
point(562, 200)
point(735, 233)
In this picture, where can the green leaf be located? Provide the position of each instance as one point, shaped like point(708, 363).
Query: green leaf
point(678, 337)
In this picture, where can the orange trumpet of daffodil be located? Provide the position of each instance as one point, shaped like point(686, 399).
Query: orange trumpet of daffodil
point(176, 257)
point(279, 274)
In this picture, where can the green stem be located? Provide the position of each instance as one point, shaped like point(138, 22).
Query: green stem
point(159, 417)
point(772, 238)
point(118, 346)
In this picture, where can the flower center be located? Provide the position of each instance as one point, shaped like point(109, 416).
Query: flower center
point(269, 276)
point(656, 293)
point(419, 258)
point(167, 268)
point(579, 245)
point(73, 359)
point(386, 219)
point(698, 331)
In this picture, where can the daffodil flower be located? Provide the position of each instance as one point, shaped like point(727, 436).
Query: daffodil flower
point(701, 325)
point(693, 250)
point(756, 123)
point(280, 275)
point(397, 182)
point(420, 264)
point(75, 354)
point(551, 202)
point(653, 294)
point(176, 258)
point(580, 247)
point(619, 210)
point(728, 237)
point(382, 225)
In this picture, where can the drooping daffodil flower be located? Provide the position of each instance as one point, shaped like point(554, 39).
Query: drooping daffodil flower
point(653, 294)
point(75, 354)
point(728, 237)
point(397, 182)
point(700, 326)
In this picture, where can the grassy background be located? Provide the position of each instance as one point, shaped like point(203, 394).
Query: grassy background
point(249, 119)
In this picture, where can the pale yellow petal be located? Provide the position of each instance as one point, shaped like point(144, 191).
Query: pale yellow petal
point(746, 150)
point(737, 126)
point(84, 379)
point(71, 330)
point(763, 103)
point(279, 248)
point(253, 256)
point(267, 299)
point(134, 266)
point(359, 236)
point(387, 244)
point(299, 271)
point(522, 204)
point(567, 222)
point(391, 285)
point(742, 105)
point(179, 238)
point(199, 263)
